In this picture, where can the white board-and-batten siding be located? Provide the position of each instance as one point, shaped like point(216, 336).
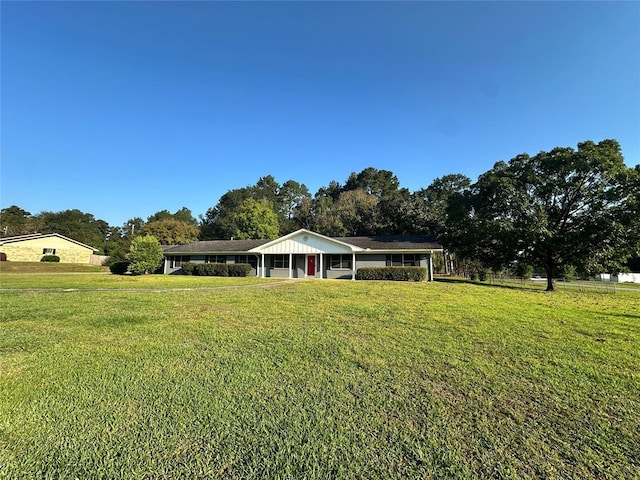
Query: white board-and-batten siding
point(298, 245)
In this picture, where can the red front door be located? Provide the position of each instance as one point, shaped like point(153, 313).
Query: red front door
point(311, 266)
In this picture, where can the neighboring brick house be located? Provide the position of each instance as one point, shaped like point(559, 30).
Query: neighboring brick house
point(306, 254)
point(31, 248)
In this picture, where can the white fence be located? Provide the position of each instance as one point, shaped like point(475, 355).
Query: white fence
point(619, 278)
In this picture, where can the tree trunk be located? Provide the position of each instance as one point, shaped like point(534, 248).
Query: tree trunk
point(551, 284)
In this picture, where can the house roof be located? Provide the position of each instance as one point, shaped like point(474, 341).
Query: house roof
point(216, 246)
point(378, 243)
point(37, 236)
point(394, 242)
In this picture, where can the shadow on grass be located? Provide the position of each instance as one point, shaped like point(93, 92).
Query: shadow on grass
point(508, 286)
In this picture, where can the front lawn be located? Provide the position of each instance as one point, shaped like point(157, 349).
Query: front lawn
point(317, 379)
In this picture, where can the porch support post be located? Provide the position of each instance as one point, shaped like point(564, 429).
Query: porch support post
point(353, 268)
point(290, 265)
point(430, 279)
point(321, 269)
point(263, 266)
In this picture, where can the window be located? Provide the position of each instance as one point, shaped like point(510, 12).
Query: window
point(406, 260)
point(250, 259)
point(48, 251)
point(215, 259)
point(411, 261)
point(340, 262)
point(280, 261)
point(394, 260)
point(176, 262)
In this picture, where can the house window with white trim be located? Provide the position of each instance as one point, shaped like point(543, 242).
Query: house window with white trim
point(48, 251)
point(250, 259)
point(411, 260)
point(177, 261)
point(394, 260)
point(215, 259)
point(280, 261)
point(403, 260)
point(340, 262)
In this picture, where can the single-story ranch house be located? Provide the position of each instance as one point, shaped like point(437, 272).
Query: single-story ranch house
point(306, 254)
point(31, 248)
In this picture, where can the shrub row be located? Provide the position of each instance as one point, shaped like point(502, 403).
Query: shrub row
point(406, 274)
point(50, 258)
point(188, 268)
point(217, 269)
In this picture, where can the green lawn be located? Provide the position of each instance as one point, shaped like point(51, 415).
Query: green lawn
point(314, 379)
point(50, 267)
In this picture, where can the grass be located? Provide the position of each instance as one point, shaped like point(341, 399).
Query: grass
point(50, 267)
point(315, 379)
point(66, 281)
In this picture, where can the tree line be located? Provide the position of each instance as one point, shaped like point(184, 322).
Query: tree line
point(566, 207)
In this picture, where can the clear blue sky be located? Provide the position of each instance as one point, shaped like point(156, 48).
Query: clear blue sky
point(122, 109)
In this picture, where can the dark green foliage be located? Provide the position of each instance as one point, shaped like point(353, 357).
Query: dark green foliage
point(188, 268)
point(479, 273)
point(119, 268)
point(16, 221)
point(239, 269)
point(220, 269)
point(212, 269)
point(204, 269)
point(50, 258)
point(81, 227)
point(406, 274)
point(563, 207)
point(524, 270)
point(217, 269)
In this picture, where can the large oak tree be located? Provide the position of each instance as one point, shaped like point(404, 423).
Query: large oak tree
point(557, 208)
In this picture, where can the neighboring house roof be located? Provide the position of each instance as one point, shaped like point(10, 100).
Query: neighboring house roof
point(378, 243)
point(37, 236)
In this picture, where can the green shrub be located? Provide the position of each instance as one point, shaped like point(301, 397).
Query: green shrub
point(220, 270)
point(145, 255)
point(239, 269)
point(483, 275)
point(50, 258)
point(188, 268)
point(204, 269)
point(407, 274)
point(119, 268)
point(212, 269)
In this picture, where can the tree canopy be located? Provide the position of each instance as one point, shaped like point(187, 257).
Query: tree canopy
point(145, 255)
point(557, 208)
point(255, 219)
point(15, 221)
point(171, 231)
